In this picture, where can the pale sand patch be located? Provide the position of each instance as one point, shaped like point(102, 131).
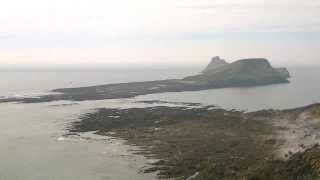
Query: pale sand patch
point(297, 134)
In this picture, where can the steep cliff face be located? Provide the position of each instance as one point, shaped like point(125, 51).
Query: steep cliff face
point(245, 72)
point(215, 63)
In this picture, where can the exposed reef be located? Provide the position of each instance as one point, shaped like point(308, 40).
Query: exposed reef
point(211, 143)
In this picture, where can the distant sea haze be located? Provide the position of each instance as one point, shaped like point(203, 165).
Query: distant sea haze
point(303, 89)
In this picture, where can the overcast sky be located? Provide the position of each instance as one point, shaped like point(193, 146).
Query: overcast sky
point(131, 32)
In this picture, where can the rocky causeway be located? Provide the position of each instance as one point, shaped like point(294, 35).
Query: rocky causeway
point(218, 74)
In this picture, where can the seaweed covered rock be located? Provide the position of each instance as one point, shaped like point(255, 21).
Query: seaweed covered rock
point(190, 143)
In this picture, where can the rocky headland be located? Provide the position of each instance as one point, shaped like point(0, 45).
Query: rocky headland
point(218, 74)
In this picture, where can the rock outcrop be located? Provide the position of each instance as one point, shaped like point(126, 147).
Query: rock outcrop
point(284, 72)
point(215, 63)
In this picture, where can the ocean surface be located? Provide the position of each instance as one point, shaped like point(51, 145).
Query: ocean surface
point(32, 141)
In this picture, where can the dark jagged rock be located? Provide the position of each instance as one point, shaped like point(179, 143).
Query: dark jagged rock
point(218, 74)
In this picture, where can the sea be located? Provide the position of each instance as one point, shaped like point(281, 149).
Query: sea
point(32, 141)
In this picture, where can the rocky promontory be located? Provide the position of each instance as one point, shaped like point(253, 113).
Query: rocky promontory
point(218, 74)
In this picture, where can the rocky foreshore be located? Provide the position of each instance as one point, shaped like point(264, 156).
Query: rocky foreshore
point(196, 142)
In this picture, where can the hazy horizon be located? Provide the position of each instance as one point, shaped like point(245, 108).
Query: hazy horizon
point(124, 89)
point(144, 33)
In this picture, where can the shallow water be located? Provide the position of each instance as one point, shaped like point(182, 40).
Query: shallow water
point(32, 145)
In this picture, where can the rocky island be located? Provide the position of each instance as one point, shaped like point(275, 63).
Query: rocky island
point(218, 74)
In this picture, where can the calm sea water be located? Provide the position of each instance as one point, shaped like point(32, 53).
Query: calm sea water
point(32, 145)
point(31, 142)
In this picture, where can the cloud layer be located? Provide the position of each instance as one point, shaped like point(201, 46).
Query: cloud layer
point(163, 26)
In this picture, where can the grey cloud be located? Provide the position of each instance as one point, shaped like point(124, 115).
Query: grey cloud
point(248, 6)
point(6, 36)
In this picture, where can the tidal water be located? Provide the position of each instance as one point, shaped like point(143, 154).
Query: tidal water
point(32, 145)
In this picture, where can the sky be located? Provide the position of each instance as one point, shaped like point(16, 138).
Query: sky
point(157, 32)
